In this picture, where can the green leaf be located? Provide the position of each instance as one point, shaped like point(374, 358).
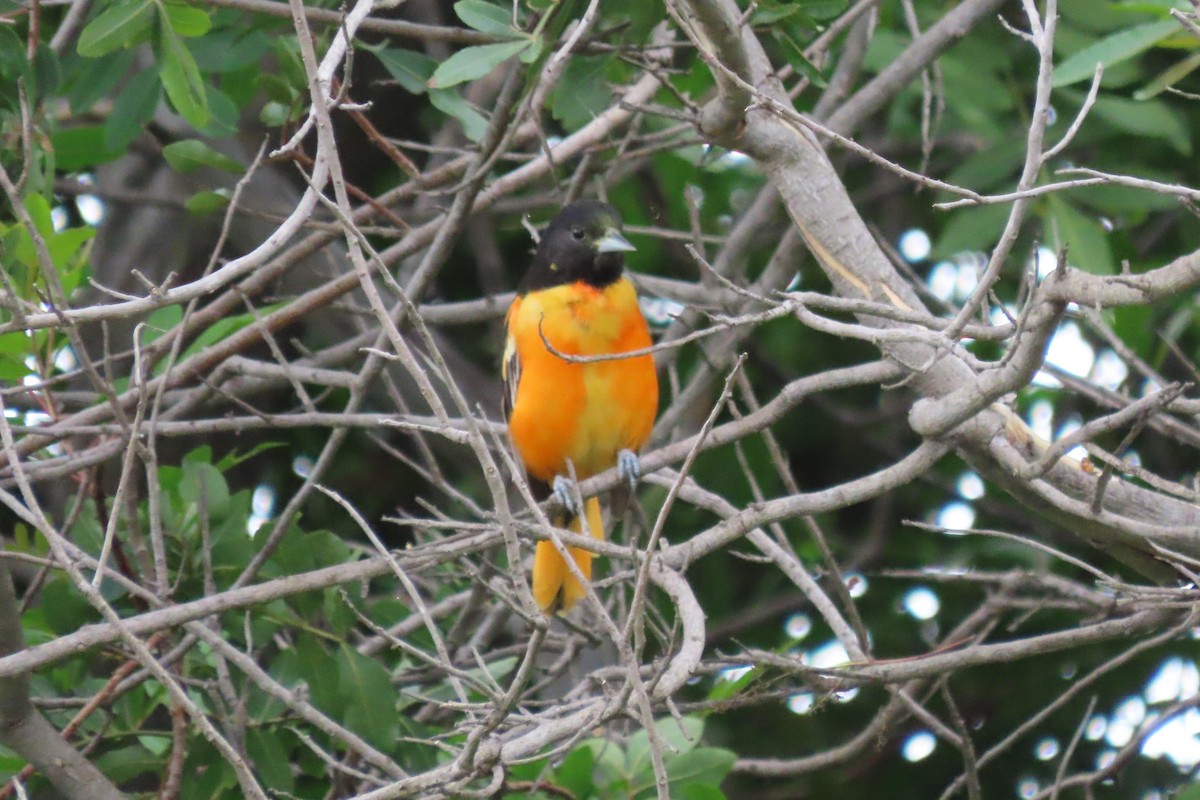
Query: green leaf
point(676, 736)
point(230, 49)
point(701, 791)
point(705, 766)
point(79, 148)
point(1169, 77)
point(160, 321)
point(158, 745)
point(181, 78)
point(451, 102)
point(581, 93)
point(185, 20)
point(224, 121)
point(1151, 118)
point(681, 735)
point(132, 109)
point(533, 52)
point(366, 691)
point(91, 79)
point(224, 328)
point(471, 63)
point(270, 759)
point(410, 69)
point(486, 18)
point(63, 245)
point(14, 347)
point(971, 228)
point(278, 90)
point(47, 73)
point(207, 202)
point(1112, 49)
point(1085, 238)
point(201, 477)
point(275, 115)
point(65, 609)
point(192, 154)
point(1189, 793)
point(575, 772)
point(123, 25)
point(128, 762)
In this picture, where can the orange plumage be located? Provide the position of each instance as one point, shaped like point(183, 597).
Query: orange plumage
point(561, 411)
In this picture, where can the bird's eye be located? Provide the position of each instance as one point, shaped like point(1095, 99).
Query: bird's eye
point(577, 233)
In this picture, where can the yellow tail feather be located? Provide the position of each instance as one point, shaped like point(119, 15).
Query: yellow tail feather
point(555, 589)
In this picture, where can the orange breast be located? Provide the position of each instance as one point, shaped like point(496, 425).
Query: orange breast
point(583, 412)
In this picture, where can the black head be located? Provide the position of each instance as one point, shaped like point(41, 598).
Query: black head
point(583, 243)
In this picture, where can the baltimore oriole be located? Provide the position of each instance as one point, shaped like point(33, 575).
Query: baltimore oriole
point(591, 414)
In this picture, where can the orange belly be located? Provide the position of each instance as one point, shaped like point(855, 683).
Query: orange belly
point(584, 412)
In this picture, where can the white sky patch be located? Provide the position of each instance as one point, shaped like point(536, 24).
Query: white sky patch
point(64, 360)
point(1096, 728)
point(970, 486)
point(727, 159)
point(91, 208)
point(955, 516)
point(1027, 787)
point(1131, 710)
point(262, 503)
point(732, 674)
point(1150, 386)
point(1176, 679)
point(915, 245)
point(856, 584)
point(829, 655)
point(1109, 370)
point(942, 279)
point(59, 218)
point(34, 418)
point(800, 703)
point(1002, 316)
point(1041, 419)
point(968, 275)
point(1069, 426)
point(1178, 740)
point(918, 746)
point(1046, 748)
point(659, 311)
point(1047, 262)
point(798, 626)
point(1119, 733)
point(1068, 351)
point(922, 603)
point(302, 466)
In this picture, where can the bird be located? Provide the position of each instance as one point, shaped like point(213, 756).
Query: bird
point(569, 416)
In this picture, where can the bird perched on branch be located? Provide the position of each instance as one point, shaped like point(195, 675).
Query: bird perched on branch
point(567, 411)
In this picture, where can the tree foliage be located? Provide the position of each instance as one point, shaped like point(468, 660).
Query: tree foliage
point(920, 509)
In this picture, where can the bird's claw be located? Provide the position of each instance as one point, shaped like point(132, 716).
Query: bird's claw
point(629, 466)
point(565, 491)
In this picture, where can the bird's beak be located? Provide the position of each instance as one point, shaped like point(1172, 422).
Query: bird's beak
point(613, 242)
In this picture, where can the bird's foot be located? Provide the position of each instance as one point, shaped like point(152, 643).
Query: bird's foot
point(566, 492)
point(629, 466)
